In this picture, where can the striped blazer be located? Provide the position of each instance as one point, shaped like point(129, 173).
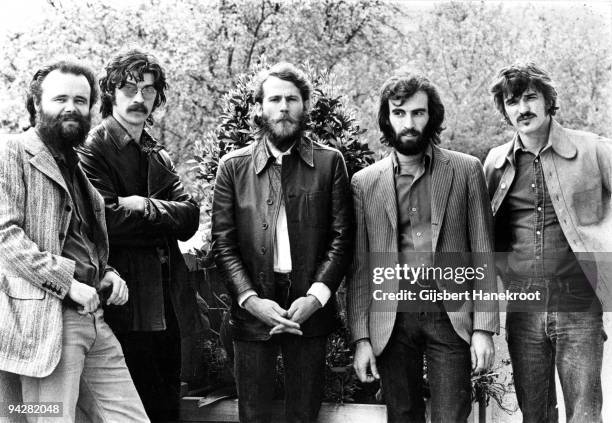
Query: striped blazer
point(461, 221)
point(35, 211)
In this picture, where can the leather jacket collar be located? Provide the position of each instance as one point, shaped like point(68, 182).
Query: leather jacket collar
point(262, 155)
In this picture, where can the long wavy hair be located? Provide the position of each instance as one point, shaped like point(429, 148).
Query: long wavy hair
point(401, 87)
point(513, 80)
point(131, 64)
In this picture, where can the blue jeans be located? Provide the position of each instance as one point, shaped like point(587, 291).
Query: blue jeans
point(557, 336)
point(91, 374)
point(304, 367)
point(448, 370)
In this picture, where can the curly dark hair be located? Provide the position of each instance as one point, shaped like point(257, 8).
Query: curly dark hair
point(35, 88)
point(131, 64)
point(402, 87)
point(513, 80)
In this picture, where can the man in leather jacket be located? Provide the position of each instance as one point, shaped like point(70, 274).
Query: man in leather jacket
point(281, 228)
point(147, 210)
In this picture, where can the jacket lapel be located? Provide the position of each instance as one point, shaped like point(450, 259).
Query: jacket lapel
point(441, 181)
point(42, 158)
point(386, 192)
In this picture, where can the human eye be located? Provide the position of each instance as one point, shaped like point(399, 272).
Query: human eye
point(149, 90)
point(81, 100)
point(398, 112)
point(130, 89)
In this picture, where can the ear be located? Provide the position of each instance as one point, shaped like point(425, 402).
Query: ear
point(307, 106)
point(257, 109)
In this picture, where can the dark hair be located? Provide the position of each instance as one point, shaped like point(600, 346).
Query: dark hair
point(513, 80)
point(132, 63)
point(402, 87)
point(286, 72)
point(35, 88)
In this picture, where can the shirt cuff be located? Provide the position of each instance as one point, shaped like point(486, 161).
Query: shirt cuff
point(320, 291)
point(246, 294)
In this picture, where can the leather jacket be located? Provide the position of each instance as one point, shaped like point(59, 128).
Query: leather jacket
point(135, 242)
point(317, 199)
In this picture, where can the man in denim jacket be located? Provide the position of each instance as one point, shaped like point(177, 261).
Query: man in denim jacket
point(550, 189)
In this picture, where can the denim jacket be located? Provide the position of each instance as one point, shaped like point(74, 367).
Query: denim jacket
point(578, 174)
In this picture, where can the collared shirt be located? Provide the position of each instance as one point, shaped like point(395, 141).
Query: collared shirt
point(79, 245)
point(538, 248)
point(282, 247)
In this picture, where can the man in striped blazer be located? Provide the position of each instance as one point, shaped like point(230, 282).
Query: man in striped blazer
point(53, 254)
point(420, 200)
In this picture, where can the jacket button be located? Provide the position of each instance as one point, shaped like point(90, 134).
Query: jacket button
point(68, 208)
point(263, 250)
point(264, 225)
point(269, 201)
point(503, 186)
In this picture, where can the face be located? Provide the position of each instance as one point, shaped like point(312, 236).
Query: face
point(527, 112)
point(63, 109)
point(282, 110)
point(134, 101)
point(408, 119)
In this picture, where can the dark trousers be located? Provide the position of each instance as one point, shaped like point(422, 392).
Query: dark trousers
point(154, 361)
point(448, 370)
point(304, 367)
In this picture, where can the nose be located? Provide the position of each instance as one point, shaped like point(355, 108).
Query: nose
point(408, 122)
point(69, 106)
point(284, 105)
point(523, 106)
point(138, 98)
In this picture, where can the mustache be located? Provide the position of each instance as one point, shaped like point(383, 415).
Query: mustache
point(409, 132)
point(285, 119)
point(524, 116)
point(138, 107)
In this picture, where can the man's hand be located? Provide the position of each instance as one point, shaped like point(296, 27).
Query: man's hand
point(364, 360)
point(119, 294)
point(271, 314)
point(299, 311)
point(85, 296)
point(133, 202)
point(482, 350)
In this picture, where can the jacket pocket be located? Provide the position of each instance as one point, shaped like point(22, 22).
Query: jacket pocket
point(20, 289)
point(587, 205)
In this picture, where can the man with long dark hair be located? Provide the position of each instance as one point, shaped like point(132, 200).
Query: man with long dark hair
point(420, 200)
point(54, 276)
point(550, 190)
point(281, 228)
point(147, 210)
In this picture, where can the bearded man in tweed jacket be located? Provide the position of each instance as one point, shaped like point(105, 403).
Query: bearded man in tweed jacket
point(418, 201)
point(53, 254)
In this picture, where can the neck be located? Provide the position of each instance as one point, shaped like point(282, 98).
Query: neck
point(535, 141)
point(135, 131)
point(410, 157)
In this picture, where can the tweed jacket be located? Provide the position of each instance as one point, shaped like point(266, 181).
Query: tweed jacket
point(35, 211)
point(461, 221)
point(578, 174)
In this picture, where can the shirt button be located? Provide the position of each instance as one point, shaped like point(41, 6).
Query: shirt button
point(532, 185)
point(418, 234)
point(68, 208)
point(269, 201)
point(414, 209)
point(503, 186)
point(263, 250)
point(539, 208)
point(264, 225)
point(536, 160)
point(538, 232)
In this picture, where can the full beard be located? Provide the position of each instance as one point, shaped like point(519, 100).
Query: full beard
point(283, 132)
point(412, 147)
point(64, 137)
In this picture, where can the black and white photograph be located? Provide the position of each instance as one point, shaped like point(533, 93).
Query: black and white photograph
point(316, 211)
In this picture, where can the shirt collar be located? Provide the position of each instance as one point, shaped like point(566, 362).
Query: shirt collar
point(69, 158)
point(262, 153)
point(426, 159)
point(121, 137)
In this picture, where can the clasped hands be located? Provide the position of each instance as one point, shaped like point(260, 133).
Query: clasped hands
point(281, 320)
point(88, 299)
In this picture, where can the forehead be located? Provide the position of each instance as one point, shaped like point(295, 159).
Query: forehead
point(416, 101)
point(147, 79)
point(516, 93)
point(59, 83)
point(274, 86)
